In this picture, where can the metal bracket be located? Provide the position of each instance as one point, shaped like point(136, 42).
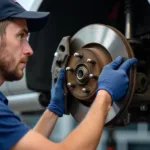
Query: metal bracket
point(62, 55)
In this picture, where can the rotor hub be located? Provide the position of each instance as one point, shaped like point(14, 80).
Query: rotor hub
point(83, 70)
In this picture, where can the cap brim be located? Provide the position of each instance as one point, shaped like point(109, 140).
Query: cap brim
point(35, 20)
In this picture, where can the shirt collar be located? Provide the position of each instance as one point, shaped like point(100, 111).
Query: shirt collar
point(3, 98)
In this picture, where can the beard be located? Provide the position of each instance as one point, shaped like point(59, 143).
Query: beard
point(10, 75)
point(8, 68)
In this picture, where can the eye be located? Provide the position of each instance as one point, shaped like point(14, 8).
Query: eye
point(22, 35)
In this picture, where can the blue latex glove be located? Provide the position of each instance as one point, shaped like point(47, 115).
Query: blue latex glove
point(114, 78)
point(57, 95)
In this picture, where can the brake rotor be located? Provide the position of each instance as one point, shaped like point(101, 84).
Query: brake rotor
point(91, 48)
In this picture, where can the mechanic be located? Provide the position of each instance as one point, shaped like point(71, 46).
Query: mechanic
point(15, 24)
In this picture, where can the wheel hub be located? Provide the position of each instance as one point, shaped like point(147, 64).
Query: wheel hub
point(85, 66)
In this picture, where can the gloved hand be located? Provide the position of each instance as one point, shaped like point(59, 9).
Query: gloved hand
point(57, 95)
point(114, 78)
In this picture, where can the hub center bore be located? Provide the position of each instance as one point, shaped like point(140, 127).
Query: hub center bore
point(82, 74)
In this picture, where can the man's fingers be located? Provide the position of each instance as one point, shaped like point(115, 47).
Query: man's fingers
point(116, 63)
point(128, 63)
point(61, 76)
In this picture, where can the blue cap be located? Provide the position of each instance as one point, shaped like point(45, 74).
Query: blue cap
point(12, 9)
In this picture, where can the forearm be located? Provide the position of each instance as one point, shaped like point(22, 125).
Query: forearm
point(87, 135)
point(46, 123)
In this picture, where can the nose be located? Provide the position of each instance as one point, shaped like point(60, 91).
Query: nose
point(27, 50)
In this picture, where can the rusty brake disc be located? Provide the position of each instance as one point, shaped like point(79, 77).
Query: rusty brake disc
point(91, 48)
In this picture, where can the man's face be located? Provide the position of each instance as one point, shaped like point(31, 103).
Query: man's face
point(14, 50)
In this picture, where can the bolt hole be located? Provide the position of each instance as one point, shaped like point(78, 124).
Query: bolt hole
point(62, 48)
point(58, 63)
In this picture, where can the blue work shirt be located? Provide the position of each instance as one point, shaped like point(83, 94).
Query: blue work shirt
point(11, 128)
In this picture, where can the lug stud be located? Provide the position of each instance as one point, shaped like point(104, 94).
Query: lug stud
point(91, 61)
point(70, 85)
point(69, 69)
point(78, 55)
point(93, 76)
point(85, 90)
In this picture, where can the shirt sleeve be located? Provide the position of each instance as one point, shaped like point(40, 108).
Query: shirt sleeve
point(11, 128)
